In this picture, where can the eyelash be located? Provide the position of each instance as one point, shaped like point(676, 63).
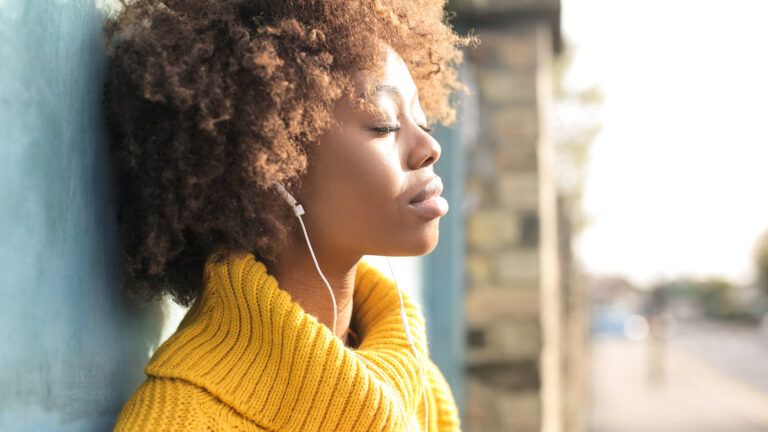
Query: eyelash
point(391, 128)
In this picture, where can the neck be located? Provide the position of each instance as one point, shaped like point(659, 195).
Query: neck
point(296, 274)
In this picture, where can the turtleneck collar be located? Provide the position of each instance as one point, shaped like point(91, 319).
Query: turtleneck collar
point(248, 343)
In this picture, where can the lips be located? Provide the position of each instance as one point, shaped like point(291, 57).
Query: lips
point(432, 189)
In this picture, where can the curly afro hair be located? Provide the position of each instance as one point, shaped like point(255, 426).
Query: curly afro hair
point(208, 102)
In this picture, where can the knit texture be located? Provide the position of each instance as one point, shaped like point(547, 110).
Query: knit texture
point(246, 357)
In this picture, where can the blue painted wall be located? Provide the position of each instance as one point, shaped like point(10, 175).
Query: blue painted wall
point(443, 270)
point(71, 349)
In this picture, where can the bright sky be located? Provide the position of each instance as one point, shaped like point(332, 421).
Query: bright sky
point(678, 177)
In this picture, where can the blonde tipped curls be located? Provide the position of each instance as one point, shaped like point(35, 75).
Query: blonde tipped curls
point(209, 102)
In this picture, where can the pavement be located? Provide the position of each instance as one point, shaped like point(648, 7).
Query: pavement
point(698, 379)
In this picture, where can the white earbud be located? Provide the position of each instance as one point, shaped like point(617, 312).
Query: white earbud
point(298, 210)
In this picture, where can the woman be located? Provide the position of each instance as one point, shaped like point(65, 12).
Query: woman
point(221, 112)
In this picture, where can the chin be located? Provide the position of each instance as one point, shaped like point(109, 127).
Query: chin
point(430, 242)
point(421, 242)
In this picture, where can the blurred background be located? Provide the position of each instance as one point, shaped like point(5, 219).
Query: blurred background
point(603, 268)
point(615, 226)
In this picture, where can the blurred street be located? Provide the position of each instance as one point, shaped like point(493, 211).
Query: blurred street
point(707, 377)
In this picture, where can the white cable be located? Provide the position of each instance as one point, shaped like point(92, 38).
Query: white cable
point(317, 266)
point(422, 373)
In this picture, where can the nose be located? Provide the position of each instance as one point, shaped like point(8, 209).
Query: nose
point(425, 150)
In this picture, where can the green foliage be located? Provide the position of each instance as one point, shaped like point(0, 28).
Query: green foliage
point(715, 296)
point(761, 262)
point(577, 122)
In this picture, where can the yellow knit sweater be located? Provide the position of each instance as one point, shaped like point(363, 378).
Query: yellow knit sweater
point(246, 357)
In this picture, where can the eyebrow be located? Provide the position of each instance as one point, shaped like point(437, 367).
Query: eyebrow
point(393, 91)
point(388, 89)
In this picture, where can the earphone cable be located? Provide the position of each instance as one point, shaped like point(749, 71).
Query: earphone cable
point(422, 372)
point(317, 266)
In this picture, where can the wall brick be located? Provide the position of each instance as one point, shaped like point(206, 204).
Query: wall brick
point(481, 414)
point(516, 154)
point(479, 268)
point(478, 193)
point(519, 412)
point(530, 227)
point(517, 53)
point(487, 305)
point(514, 51)
point(489, 410)
point(500, 87)
point(507, 341)
point(510, 376)
point(514, 124)
point(518, 268)
point(482, 165)
point(518, 190)
point(492, 229)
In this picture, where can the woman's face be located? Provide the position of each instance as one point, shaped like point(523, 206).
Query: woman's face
point(370, 187)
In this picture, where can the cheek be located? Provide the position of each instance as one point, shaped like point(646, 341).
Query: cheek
point(380, 221)
point(353, 187)
point(376, 179)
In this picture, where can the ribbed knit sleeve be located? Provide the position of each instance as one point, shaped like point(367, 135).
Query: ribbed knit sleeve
point(171, 405)
point(443, 410)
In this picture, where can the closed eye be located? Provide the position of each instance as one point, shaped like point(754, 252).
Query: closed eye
point(392, 128)
point(386, 129)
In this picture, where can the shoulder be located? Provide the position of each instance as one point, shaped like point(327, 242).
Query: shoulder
point(442, 404)
point(168, 404)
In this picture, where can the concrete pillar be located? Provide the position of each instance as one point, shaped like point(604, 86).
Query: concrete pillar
point(514, 292)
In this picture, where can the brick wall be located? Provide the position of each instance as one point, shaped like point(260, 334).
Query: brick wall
point(520, 371)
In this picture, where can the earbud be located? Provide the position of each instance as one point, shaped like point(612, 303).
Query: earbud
point(298, 210)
